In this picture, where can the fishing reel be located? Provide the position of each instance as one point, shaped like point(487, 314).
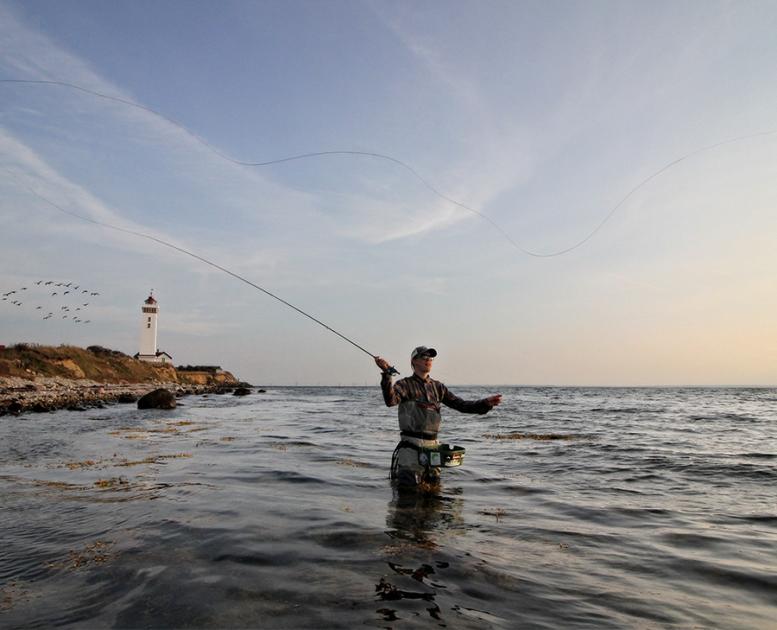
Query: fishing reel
point(390, 370)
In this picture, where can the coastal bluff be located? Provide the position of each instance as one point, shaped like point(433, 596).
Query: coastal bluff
point(44, 378)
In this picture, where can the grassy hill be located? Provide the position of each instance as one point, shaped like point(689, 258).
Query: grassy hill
point(25, 360)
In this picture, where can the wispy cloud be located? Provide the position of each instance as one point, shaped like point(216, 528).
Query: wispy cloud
point(33, 177)
point(477, 179)
point(461, 87)
point(30, 55)
point(374, 221)
point(496, 155)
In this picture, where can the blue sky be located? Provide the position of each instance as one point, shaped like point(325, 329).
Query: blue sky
point(541, 115)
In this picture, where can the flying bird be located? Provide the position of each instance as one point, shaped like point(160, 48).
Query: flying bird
point(54, 293)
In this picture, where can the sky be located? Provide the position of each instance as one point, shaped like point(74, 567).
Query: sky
point(542, 116)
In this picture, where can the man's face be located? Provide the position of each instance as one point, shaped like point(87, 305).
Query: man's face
point(423, 364)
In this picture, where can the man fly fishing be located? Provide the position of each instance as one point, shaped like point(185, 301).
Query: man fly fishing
point(419, 455)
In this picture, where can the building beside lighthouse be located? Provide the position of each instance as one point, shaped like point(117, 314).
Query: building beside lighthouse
point(148, 333)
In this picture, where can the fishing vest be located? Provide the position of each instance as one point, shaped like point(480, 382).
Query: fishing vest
point(419, 419)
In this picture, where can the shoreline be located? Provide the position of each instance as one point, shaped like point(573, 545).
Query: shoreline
point(45, 394)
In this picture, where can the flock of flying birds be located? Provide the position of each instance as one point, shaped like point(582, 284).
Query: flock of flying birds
point(70, 292)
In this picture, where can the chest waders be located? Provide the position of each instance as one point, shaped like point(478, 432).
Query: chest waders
point(419, 455)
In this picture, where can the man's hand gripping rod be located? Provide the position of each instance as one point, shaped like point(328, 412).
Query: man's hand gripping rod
point(384, 365)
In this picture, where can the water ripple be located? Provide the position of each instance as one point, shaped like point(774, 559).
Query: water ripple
point(578, 507)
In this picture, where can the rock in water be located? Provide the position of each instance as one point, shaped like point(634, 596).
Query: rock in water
point(242, 391)
point(14, 408)
point(158, 399)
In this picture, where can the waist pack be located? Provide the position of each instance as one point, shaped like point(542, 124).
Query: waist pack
point(438, 456)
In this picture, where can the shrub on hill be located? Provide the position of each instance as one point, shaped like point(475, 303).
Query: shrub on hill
point(100, 351)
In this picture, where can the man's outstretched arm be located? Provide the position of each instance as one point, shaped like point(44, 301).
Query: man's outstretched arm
point(484, 405)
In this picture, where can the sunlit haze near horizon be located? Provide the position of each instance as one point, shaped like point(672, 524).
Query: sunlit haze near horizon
point(543, 116)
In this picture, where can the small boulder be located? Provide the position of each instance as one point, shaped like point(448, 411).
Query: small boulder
point(127, 398)
point(158, 399)
point(241, 391)
point(14, 408)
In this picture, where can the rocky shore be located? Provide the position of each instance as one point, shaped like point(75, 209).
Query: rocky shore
point(43, 394)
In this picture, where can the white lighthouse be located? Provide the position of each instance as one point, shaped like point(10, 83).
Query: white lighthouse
point(148, 328)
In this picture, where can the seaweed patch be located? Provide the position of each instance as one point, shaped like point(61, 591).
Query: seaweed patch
point(120, 462)
point(497, 513)
point(11, 594)
point(352, 463)
point(137, 433)
point(530, 436)
point(97, 553)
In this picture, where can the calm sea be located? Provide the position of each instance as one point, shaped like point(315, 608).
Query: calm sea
point(575, 507)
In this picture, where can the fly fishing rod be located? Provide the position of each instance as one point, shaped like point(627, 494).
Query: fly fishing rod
point(177, 248)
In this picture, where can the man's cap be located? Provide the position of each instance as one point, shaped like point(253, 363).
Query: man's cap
point(417, 352)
